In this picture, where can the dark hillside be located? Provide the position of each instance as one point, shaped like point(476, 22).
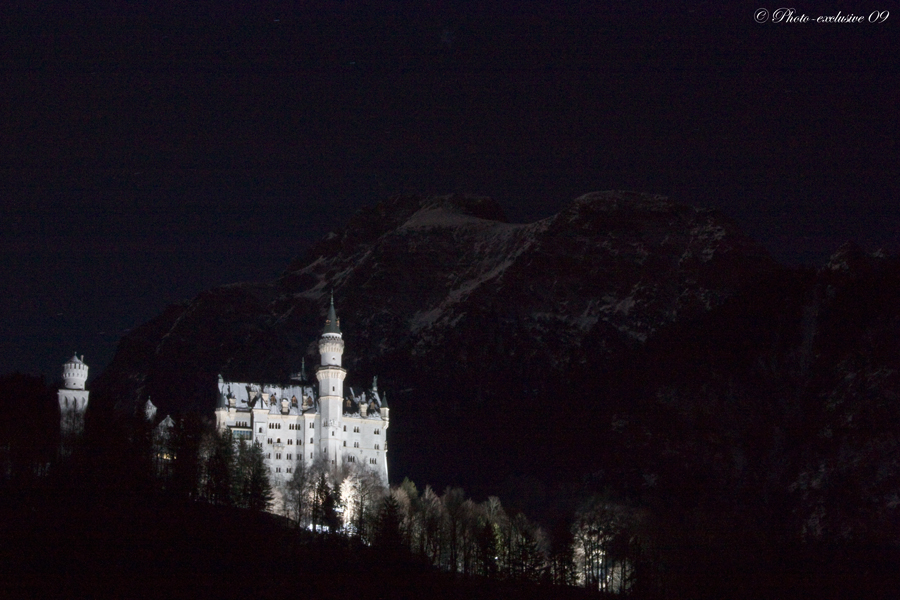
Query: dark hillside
point(125, 546)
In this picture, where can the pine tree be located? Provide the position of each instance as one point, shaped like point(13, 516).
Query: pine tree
point(330, 516)
point(487, 549)
point(257, 488)
point(220, 466)
point(185, 459)
point(388, 536)
point(323, 504)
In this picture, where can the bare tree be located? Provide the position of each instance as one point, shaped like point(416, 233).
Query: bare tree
point(602, 535)
point(432, 516)
point(407, 497)
point(453, 501)
point(298, 493)
point(361, 490)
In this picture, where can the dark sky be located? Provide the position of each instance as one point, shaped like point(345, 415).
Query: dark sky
point(146, 156)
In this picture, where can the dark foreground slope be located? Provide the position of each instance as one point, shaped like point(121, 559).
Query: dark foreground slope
point(472, 324)
point(129, 546)
point(87, 545)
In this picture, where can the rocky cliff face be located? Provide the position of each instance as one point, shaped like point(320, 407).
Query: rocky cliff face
point(778, 411)
point(473, 324)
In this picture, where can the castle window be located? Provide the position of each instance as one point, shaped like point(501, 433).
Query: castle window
point(356, 444)
point(310, 455)
point(290, 442)
point(312, 425)
point(288, 457)
point(288, 470)
point(269, 441)
point(268, 455)
point(377, 432)
point(345, 428)
point(376, 446)
point(345, 444)
point(260, 429)
point(278, 441)
point(278, 456)
point(332, 434)
point(310, 440)
point(373, 461)
point(278, 469)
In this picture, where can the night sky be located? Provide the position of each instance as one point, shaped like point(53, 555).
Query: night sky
point(146, 156)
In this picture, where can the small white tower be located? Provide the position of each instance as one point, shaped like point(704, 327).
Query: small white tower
point(73, 398)
point(331, 387)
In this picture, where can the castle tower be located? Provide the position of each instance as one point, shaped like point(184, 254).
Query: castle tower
point(73, 398)
point(331, 387)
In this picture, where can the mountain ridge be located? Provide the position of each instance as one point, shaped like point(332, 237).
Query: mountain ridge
point(447, 301)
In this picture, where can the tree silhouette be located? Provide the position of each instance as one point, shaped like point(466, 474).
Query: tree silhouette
point(256, 488)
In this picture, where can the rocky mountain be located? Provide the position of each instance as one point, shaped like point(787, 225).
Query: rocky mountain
point(473, 324)
point(773, 416)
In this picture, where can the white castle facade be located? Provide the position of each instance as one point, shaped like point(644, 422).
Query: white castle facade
point(302, 422)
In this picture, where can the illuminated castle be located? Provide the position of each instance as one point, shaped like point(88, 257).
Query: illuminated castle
point(73, 398)
point(305, 422)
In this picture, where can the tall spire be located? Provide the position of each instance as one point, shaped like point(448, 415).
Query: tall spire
point(332, 323)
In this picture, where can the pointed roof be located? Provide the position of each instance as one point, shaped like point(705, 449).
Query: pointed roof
point(332, 323)
point(301, 374)
point(75, 360)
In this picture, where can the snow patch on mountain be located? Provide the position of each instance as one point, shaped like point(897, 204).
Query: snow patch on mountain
point(618, 305)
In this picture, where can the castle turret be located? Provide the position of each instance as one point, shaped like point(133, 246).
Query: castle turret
point(331, 386)
point(73, 400)
point(384, 409)
point(75, 373)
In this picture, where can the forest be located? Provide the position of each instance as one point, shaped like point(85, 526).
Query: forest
point(187, 504)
